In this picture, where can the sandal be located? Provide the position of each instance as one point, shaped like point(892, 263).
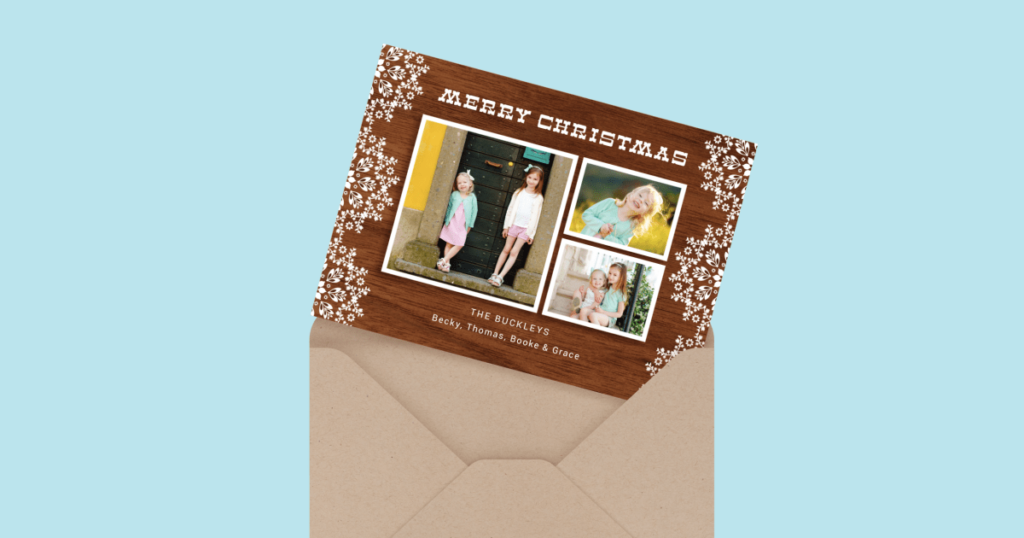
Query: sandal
point(576, 302)
point(446, 267)
point(496, 280)
point(440, 264)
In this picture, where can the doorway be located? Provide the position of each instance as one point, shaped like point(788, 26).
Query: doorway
point(498, 168)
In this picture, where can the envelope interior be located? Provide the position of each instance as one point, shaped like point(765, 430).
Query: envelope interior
point(479, 410)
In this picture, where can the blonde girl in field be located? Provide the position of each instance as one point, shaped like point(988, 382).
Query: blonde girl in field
point(520, 222)
point(614, 303)
point(587, 297)
point(619, 220)
point(458, 220)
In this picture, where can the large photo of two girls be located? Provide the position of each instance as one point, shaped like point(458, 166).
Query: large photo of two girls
point(479, 213)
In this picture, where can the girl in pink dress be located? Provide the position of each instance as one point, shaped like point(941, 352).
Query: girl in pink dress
point(458, 220)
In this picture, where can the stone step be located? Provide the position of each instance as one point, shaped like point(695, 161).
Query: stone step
point(463, 280)
point(561, 304)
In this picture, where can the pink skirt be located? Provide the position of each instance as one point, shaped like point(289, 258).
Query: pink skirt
point(455, 232)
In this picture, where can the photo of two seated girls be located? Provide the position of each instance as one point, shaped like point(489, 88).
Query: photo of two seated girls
point(604, 289)
point(602, 300)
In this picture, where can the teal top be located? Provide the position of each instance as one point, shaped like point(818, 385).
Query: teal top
point(606, 212)
point(611, 302)
point(469, 211)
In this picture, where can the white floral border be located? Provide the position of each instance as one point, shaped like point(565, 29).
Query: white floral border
point(367, 189)
point(702, 261)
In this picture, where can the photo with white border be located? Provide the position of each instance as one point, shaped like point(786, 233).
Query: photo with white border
point(472, 186)
point(605, 192)
point(582, 281)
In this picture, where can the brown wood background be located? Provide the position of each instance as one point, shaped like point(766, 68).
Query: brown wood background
point(402, 308)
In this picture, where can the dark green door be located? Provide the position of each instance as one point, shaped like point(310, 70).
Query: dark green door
point(498, 168)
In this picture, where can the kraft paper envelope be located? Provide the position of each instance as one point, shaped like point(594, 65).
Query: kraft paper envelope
point(408, 441)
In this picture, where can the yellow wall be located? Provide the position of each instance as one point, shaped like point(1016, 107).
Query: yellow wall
point(423, 168)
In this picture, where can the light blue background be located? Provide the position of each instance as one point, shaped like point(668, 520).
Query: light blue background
point(170, 175)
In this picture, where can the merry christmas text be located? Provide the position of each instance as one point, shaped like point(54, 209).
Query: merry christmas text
point(561, 126)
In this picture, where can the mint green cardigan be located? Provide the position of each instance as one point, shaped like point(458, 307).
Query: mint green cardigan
point(606, 212)
point(469, 211)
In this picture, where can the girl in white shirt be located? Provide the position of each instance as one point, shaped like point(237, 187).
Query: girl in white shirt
point(520, 222)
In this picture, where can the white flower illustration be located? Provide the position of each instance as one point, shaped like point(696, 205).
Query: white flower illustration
point(367, 187)
point(702, 261)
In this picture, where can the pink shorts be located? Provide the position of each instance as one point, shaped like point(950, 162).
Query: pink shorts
point(518, 231)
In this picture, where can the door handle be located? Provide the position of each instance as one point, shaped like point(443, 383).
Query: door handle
point(496, 165)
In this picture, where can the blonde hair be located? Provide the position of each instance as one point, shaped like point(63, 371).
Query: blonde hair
point(642, 222)
point(620, 286)
point(455, 184)
point(540, 184)
point(604, 274)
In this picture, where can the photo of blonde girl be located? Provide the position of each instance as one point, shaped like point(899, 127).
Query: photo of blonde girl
point(589, 295)
point(619, 220)
point(458, 220)
point(634, 211)
point(604, 290)
point(521, 221)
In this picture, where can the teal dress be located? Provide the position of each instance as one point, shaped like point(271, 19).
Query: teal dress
point(611, 303)
point(470, 208)
point(606, 212)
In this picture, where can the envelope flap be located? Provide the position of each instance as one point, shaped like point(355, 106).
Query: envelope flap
point(479, 410)
point(372, 465)
point(511, 499)
point(650, 466)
